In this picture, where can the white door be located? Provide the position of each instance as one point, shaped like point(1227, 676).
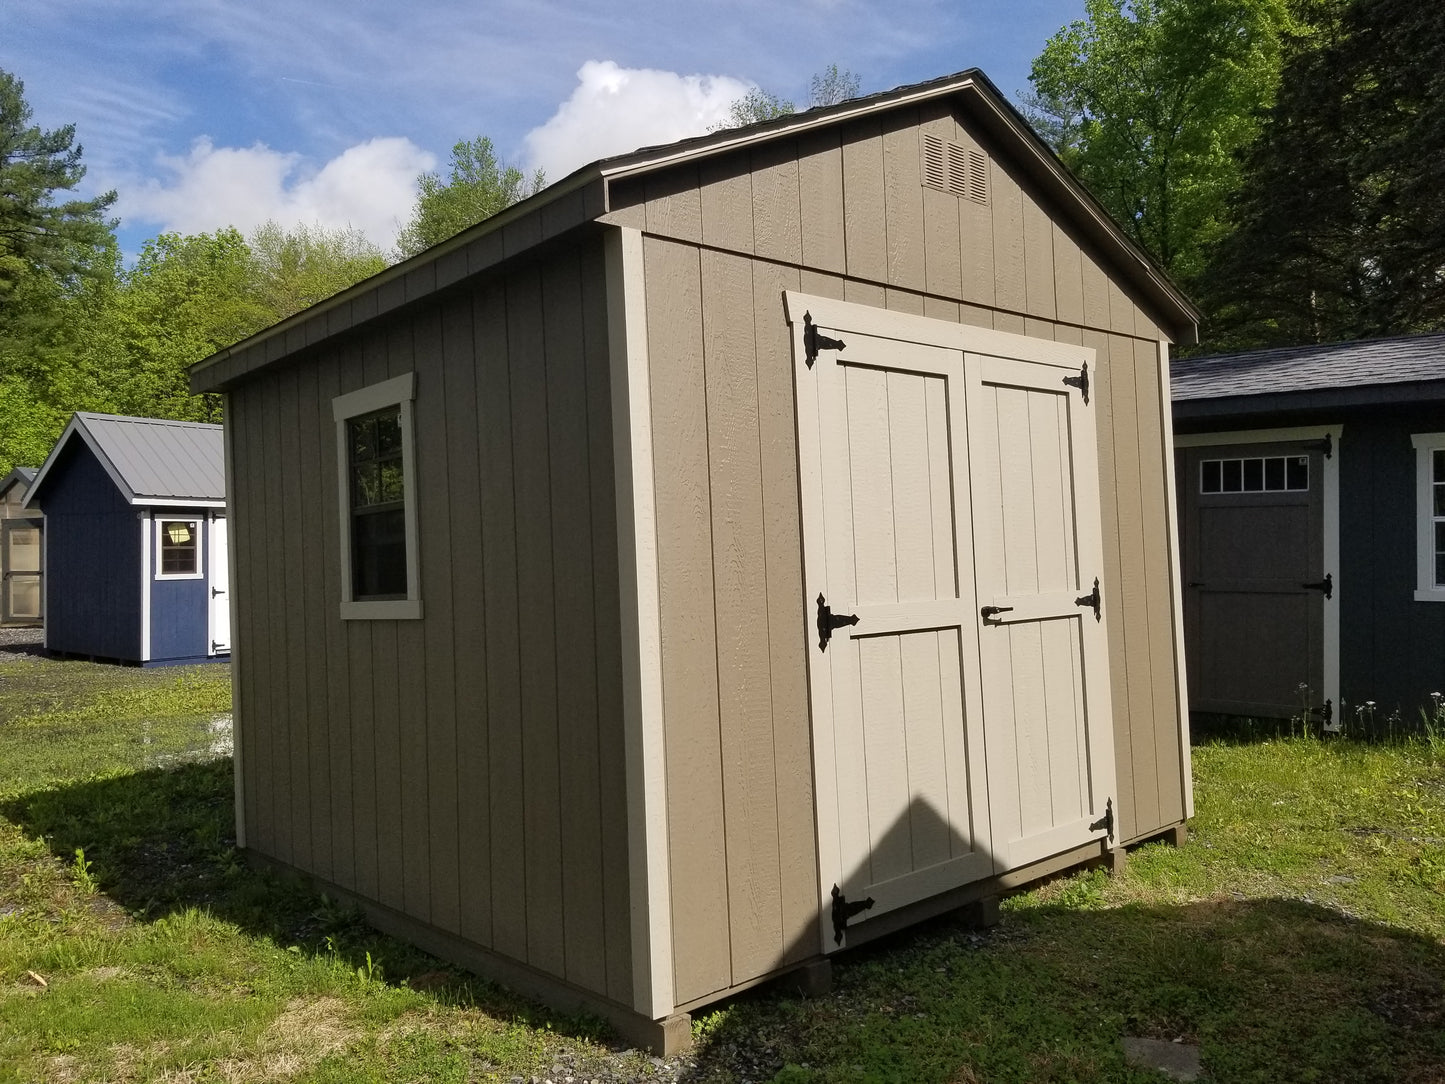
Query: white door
point(220, 581)
point(924, 752)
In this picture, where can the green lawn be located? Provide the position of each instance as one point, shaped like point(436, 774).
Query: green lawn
point(1299, 936)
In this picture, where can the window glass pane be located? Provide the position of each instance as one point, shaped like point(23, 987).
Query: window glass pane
point(1440, 570)
point(178, 548)
point(1233, 476)
point(365, 485)
point(24, 549)
point(1254, 475)
point(24, 597)
point(378, 554)
point(1274, 473)
point(390, 486)
point(1297, 472)
point(1440, 538)
point(1437, 457)
point(1439, 500)
point(388, 434)
point(361, 432)
point(1209, 476)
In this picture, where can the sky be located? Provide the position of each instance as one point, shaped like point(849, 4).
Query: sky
point(208, 113)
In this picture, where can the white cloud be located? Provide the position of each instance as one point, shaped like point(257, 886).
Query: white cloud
point(614, 110)
point(370, 186)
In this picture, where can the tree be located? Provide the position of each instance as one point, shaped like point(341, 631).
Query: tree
point(1341, 225)
point(294, 269)
point(479, 185)
point(828, 87)
point(1149, 102)
point(37, 234)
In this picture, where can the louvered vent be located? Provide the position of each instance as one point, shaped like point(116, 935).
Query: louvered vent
point(950, 167)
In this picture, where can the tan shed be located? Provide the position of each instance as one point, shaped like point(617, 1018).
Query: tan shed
point(740, 549)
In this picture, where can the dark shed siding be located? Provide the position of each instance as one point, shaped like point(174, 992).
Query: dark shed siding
point(1392, 648)
point(93, 573)
point(464, 769)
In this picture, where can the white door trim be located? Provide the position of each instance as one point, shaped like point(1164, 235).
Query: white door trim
point(1331, 547)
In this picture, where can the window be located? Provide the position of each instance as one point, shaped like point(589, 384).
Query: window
point(178, 549)
point(1271, 474)
point(1430, 516)
point(377, 496)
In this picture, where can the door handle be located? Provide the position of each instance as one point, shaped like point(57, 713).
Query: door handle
point(993, 611)
point(1327, 585)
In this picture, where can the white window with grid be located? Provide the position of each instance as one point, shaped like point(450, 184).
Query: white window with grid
point(1430, 516)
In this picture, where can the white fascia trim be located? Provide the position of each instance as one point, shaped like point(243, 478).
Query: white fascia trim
point(645, 749)
point(146, 529)
point(1176, 582)
point(1426, 590)
point(399, 391)
point(1332, 523)
point(178, 502)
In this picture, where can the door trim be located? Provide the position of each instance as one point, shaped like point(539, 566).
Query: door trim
point(1331, 540)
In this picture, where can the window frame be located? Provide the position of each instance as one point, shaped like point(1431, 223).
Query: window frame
point(1426, 588)
point(400, 392)
point(158, 533)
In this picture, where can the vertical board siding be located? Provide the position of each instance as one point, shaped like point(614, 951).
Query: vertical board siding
point(465, 768)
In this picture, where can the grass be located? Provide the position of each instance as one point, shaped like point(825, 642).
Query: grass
point(1299, 936)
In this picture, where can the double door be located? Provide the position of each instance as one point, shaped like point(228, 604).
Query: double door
point(958, 667)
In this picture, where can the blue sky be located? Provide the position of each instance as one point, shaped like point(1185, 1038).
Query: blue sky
point(203, 113)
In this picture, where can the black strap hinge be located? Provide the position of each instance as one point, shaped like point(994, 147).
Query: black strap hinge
point(1106, 822)
point(813, 342)
point(843, 911)
point(1327, 446)
point(1327, 585)
point(828, 621)
point(1094, 599)
point(1081, 382)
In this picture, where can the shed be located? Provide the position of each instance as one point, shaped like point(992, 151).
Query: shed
point(22, 544)
point(1312, 503)
point(135, 541)
point(632, 588)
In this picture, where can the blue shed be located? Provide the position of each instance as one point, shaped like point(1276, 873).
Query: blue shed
point(135, 540)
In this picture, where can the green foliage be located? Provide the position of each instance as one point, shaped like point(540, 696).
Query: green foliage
point(1149, 101)
point(294, 269)
point(1341, 225)
point(833, 85)
point(39, 236)
point(478, 185)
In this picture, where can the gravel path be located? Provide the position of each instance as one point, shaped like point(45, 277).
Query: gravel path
point(21, 641)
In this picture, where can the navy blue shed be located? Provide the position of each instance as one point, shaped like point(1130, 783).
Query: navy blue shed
point(135, 540)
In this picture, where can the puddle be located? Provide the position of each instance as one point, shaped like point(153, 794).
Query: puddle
point(213, 739)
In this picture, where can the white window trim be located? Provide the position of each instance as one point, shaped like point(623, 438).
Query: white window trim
point(399, 391)
point(1426, 589)
point(195, 522)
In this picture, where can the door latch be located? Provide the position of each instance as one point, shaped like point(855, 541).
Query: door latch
point(1327, 585)
point(828, 621)
point(1094, 599)
point(993, 611)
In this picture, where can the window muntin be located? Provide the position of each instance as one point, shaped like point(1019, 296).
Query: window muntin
point(1257, 474)
point(178, 549)
point(377, 501)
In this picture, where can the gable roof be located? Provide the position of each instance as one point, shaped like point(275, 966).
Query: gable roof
point(584, 196)
point(22, 476)
point(152, 461)
point(1402, 369)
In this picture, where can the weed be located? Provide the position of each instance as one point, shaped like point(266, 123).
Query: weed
point(81, 875)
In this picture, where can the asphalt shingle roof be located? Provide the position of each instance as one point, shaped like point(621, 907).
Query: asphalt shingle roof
point(1409, 359)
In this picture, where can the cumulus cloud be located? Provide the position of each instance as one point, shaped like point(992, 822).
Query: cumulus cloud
point(370, 187)
point(614, 110)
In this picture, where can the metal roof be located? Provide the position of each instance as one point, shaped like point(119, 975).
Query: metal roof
point(1292, 370)
point(20, 475)
point(152, 461)
point(502, 236)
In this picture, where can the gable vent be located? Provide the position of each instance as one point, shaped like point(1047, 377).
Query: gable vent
point(951, 167)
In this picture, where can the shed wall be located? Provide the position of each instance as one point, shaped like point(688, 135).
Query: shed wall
point(93, 561)
point(464, 769)
point(842, 213)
